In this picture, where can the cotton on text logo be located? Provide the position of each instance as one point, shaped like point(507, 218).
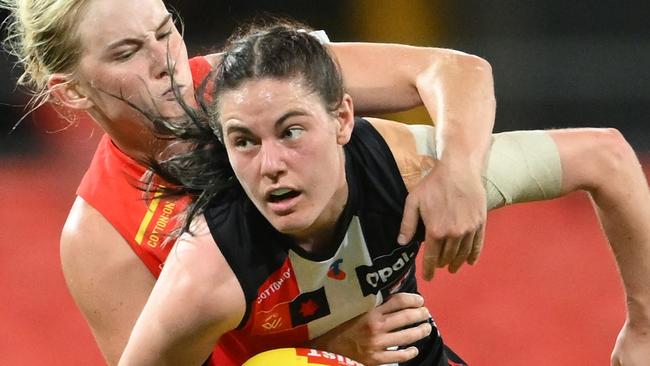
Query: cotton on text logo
point(161, 224)
point(274, 286)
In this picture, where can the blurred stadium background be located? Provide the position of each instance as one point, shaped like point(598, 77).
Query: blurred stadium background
point(546, 289)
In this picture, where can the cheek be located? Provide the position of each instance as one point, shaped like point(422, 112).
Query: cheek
point(243, 170)
point(328, 169)
point(114, 82)
point(177, 47)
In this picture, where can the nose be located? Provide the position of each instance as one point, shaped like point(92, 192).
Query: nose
point(272, 161)
point(162, 58)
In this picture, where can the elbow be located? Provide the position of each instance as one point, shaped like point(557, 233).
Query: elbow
point(466, 62)
point(476, 63)
point(614, 152)
point(450, 67)
point(479, 72)
point(615, 160)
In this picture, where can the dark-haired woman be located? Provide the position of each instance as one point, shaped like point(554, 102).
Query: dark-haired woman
point(299, 224)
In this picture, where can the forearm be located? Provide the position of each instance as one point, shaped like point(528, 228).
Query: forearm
point(626, 226)
point(537, 165)
point(623, 205)
point(603, 163)
point(456, 89)
point(459, 95)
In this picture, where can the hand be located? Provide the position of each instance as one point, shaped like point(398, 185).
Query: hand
point(366, 338)
point(632, 346)
point(451, 201)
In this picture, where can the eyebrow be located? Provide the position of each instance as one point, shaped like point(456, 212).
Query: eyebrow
point(278, 122)
point(129, 41)
point(236, 128)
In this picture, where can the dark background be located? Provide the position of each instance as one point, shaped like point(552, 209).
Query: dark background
point(555, 63)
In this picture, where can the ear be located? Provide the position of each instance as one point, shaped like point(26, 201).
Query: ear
point(66, 90)
point(345, 117)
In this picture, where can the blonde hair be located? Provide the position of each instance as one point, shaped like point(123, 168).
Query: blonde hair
point(42, 35)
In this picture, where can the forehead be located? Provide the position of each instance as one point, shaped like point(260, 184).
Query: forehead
point(105, 21)
point(267, 96)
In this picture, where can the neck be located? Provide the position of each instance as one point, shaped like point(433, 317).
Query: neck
point(319, 237)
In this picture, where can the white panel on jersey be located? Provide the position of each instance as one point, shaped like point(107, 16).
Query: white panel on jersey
point(342, 287)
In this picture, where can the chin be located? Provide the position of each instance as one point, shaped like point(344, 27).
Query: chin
point(289, 225)
point(170, 109)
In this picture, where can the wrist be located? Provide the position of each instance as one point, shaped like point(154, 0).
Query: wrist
point(638, 312)
point(465, 164)
point(461, 150)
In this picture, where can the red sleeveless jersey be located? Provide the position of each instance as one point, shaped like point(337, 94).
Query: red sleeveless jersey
point(110, 185)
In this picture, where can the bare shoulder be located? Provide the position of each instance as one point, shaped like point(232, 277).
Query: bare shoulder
point(391, 131)
point(412, 146)
point(196, 300)
point(89, 240)
point(105, 277)
point(197, 269)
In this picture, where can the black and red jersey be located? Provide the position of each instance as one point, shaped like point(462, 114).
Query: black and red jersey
point(292, 295)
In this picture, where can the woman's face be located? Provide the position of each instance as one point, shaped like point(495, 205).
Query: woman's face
point(126, 45)
point(285, 149)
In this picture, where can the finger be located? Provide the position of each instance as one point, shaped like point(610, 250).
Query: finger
point(400, 301)
point(407, 336)
point(431, 257)
point(463, 252)
point(477, 246)
point(395, 356)
point(449, 251)
point(410, 220)
point(405, 318)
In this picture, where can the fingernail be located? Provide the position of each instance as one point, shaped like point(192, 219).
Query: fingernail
point(401, 239)
point(428, 275)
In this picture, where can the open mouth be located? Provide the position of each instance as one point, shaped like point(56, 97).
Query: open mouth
point(282, 194)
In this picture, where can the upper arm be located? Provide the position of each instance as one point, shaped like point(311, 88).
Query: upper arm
point(372, 80)
point(385, 77)
point(522, 166)
point(107, 280)
point(196, 299)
